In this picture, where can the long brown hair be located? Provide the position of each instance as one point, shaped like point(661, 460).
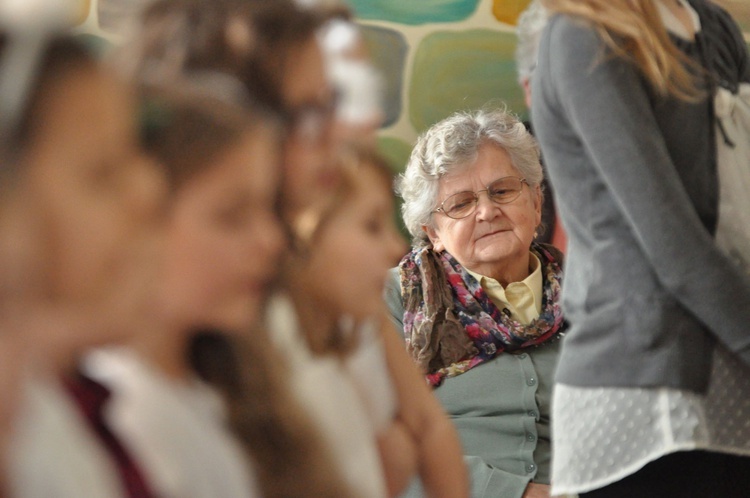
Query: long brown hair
point(307, 228)
point(633, 30)
point(289, 455)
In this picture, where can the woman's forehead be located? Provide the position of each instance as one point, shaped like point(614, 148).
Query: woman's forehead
point(489, 165)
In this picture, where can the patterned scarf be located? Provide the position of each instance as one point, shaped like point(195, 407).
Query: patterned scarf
point(450, 323)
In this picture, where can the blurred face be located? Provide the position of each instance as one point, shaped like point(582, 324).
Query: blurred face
point(357, 246)
point(310, 171)
point(94, 196)
point(494, 240)
point(224, 238)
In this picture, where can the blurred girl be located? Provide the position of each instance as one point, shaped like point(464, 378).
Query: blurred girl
point(376, 413)
point(87, 202)
point(222, 240)
point(277, 42)
point(219, 44)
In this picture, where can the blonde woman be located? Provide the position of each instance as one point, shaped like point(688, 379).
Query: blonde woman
point(622, 107)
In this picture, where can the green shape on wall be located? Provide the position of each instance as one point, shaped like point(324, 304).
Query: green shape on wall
point(414, 11)
point(388, 50)
point(463, 70)
point(396, 152)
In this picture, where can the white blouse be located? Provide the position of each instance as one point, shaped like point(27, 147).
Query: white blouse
point(52, 452)
point(349, 401)
point(175, 430)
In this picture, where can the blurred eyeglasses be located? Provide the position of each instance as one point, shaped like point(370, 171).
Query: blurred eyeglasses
point(312, 121)
point(501, 191)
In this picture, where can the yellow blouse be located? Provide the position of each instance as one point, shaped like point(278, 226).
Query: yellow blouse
point(522, 299)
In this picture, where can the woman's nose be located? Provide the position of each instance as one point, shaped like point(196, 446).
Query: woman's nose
point(486, 209)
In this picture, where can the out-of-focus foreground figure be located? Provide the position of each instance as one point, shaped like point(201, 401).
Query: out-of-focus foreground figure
point(88, 203)
point(622, 105)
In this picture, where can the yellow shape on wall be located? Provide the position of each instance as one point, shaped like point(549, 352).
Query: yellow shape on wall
point(507, 11)
point(82, 12)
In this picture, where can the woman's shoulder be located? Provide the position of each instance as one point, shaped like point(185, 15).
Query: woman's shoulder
point(717, 22)
point(392, 291)
point(572, 29)
point(726, 43)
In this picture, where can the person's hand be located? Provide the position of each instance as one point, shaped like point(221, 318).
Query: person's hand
point(534, 490)
point(398, 455)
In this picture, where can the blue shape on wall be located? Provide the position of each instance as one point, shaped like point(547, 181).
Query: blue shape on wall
point(414, 11)
point(388, 50)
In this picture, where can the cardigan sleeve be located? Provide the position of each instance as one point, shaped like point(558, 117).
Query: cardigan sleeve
point(392, 297)
point(606, 104)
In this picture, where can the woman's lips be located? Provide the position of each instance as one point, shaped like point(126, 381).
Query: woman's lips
point(492, 233)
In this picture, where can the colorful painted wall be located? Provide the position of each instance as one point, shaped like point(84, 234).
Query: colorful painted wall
point(440, 56)
point(446, 55)
point(437, 56)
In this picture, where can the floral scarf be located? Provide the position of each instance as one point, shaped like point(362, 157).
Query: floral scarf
point(450, 323)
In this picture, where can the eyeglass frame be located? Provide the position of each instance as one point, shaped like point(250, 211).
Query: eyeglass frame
point(311, 120)
point(441, 209)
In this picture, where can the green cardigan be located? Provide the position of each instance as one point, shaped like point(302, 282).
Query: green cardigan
point(501, 410)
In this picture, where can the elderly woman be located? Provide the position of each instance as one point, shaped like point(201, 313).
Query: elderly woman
point(477, 299)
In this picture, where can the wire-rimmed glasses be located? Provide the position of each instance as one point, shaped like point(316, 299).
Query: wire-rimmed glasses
point(501, 191)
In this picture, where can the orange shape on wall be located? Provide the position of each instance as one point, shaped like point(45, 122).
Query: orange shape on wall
point(82, 12)
point(507, 11)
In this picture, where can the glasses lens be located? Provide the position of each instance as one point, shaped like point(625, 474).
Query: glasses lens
point(460, 205)
point(505, 190)
point(312, 121)
point(310, 124)
point(500, 191)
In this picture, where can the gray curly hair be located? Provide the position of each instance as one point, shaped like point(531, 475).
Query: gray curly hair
point(529, 29)
point(452, 144)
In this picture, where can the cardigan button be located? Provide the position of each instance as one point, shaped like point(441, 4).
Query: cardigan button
point(530, 468)
point(522, 356)
point(531, 381)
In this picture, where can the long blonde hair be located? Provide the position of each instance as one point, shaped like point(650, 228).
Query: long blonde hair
point(634, 31)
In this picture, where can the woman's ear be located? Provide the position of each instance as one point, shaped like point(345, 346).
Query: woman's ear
point(434, 237)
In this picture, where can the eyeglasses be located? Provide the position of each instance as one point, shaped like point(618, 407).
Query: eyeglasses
point(501, 191)
point(312, 120)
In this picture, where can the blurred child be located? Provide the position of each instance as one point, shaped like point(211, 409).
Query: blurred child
point(88, 204)
point(220, 144)
point(376, 413)
point(222, 168)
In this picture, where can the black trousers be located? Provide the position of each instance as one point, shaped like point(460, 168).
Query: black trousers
point(686, 474)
